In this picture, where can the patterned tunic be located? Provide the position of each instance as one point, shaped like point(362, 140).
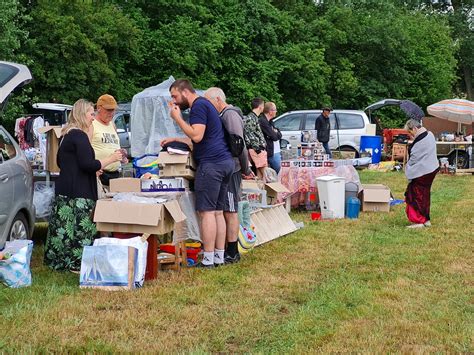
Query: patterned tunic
point(253, 134)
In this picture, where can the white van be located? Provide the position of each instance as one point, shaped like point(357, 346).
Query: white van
point(347, 126)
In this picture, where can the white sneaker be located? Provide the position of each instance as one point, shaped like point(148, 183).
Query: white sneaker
point(427, 224)
point(418, 225)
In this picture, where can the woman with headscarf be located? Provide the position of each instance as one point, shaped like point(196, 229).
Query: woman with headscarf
point(420, 170)
point(70, 225)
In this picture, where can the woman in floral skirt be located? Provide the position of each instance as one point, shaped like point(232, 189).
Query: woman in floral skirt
point(70, 225)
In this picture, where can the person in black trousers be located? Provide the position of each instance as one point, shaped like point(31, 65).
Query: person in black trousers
point(70, 225)
point(323, 126)
point(272, 135)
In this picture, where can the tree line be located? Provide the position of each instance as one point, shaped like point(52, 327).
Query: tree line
point(300, 54)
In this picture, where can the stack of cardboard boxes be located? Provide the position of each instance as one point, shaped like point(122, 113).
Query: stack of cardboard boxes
point(175, 174)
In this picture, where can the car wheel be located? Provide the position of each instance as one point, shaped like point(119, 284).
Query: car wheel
point(19, 228)
point(462, 161)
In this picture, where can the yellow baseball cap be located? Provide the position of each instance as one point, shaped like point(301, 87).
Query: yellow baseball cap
point(107, 101)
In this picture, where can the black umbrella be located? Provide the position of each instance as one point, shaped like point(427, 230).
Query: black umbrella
point(412, 110)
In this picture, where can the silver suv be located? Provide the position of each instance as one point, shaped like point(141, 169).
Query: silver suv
point(347, 126)
point(17, 213)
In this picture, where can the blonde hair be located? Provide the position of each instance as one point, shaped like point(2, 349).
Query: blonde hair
point(268, 107)
point(77, 116)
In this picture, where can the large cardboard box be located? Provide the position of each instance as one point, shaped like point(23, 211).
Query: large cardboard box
point(130, 217)
point(176, 165)
point(272, 189)
point(375, 198)
point(53, 133)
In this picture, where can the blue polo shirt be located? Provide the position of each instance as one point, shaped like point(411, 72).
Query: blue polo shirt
point(212, 147)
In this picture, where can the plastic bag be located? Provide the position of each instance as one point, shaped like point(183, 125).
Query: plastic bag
point(244, 213)
point(108, 267)
point(189, 228)
point(141, 246)
point(15, 271)
point(270, 175)
point(132, 197)
point(146, 164)
point(43, 197)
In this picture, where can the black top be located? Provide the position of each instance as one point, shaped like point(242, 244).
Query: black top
point(78, 165)
point(270, 132)
point(323, 126)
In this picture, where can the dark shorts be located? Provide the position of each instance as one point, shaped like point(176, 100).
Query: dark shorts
point(233, 193)
point(210, 184)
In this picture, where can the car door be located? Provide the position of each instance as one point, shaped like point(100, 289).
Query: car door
point(351, 128)
point(290, 126)
point(6, 181)
point(122, 123)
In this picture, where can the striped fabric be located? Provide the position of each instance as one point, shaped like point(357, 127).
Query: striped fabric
point(456, 110)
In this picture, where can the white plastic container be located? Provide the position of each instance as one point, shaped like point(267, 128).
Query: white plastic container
point(331, 191)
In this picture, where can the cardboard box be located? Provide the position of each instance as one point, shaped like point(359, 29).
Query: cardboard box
point(375, 198)
point(272, 189)
point(125, 185)
point(164, 185)
point(176, 165)
point(129, 217)
point(53, 133)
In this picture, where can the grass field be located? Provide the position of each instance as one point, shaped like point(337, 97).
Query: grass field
point(350, 285)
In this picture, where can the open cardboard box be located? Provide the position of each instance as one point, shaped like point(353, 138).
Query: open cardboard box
point(130, 217)
point(176, 165)
point(53, 133)
point(272, 189)
point(375, 198)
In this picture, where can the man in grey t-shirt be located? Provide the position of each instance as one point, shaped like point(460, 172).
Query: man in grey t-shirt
point(233, 121)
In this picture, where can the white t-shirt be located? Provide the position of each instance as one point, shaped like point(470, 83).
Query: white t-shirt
point(276, 146)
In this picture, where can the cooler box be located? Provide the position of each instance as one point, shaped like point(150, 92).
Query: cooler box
point(372, 145)
point(331, 190)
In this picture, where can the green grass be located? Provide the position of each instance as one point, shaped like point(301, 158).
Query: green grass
point(350, 285)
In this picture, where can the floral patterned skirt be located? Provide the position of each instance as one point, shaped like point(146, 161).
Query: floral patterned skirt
point(70, 229)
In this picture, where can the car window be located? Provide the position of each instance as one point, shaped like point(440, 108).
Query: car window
point(6, 73)
point(122, 121)
point(289, 122)
point(350, 121)
point(7, 149)
point(311, 120)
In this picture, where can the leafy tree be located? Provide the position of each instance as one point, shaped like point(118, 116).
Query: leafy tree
point(83, 50)
point(12, 19)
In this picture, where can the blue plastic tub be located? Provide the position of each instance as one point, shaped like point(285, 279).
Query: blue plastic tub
point(372, 145)
point(352, 207)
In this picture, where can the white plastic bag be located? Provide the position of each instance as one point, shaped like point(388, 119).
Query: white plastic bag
point(108, 267)
point(137, 243)
point(15, 271)
point(43, 198)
